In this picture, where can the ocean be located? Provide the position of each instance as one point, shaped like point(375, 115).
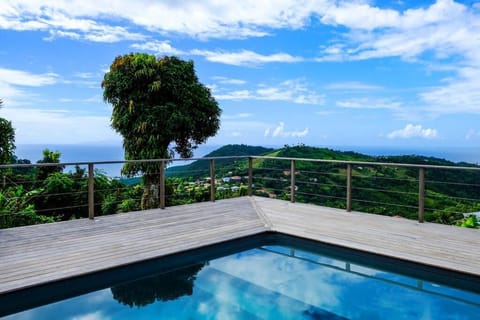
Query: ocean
point(95, 153)
point(91, 153)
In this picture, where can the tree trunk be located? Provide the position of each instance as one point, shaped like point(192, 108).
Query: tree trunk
point(150, 196)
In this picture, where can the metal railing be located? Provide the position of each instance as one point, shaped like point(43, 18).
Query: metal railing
point(348, 171)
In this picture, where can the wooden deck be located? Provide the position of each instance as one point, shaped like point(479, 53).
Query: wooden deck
point(40, 254)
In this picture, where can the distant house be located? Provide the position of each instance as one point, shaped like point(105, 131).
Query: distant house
point(226, 179)
point(287, 172)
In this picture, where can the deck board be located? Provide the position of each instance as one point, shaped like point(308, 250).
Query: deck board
point(448, 247)
point(40, 254)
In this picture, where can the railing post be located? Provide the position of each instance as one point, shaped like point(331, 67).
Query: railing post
point(349, 187)
point(212, 180)
point(250, 176)
point(421, 194)
point(292, 180)
point(162, 184)
point(91, 200)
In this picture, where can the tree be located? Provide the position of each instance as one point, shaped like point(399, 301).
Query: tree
point(7, 140)
point(49, 157)
point(162, 287)
point(160, 108)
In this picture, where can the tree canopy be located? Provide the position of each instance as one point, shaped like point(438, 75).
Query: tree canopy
point(159, 107)
point(7, 140)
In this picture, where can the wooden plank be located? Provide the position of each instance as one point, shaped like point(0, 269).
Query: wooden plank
point(436, 245)
point(40, 254)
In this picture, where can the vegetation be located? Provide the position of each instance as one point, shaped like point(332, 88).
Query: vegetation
point(160, 108)
point(382, 190)
point(7, 140)
point(32, 195)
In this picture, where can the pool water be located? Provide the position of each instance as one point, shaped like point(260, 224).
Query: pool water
point(269, 282)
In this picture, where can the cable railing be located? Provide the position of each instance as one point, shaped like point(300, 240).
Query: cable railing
point(415, 191)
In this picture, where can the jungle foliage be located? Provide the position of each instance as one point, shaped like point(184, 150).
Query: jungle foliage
point(30, 195)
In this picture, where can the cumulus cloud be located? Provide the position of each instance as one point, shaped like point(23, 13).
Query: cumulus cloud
point(280, 131)
point(210, 19)
point(445, 29)
point(413, 131)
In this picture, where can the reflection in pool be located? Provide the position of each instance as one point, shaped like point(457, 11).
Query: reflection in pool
point(269, 282)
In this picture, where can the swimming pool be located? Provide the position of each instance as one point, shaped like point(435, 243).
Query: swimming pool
point(272, 277)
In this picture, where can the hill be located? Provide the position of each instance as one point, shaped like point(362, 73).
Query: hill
point(201, 168)
point(375, 189)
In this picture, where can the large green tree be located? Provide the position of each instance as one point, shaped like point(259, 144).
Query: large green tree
point(160, 108)
point(7, 140)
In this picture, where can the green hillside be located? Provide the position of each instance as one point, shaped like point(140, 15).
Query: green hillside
point(201, 168)
point(377, 189)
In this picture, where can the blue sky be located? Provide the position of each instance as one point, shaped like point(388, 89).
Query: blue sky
point(325, 73)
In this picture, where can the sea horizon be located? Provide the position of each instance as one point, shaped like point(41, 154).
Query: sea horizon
point(97, 153)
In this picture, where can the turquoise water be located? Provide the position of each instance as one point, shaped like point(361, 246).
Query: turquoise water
point(269, 282)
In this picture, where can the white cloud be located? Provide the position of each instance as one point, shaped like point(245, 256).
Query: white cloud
point(238, 130)
point(280, 131)
point(66, 19)
point(225, 80)
point(208, 19)
point(413, 131)
point(295, 91)
point(445, 27)
point(25, 78)
point(459, 95)
point(369, 103)
point(357, 15)
point(85, 75)
point(34, 126)
point(446, 30)
point(158, 47)
point(235, 95)
point(239, 58)
point(13, 84)
point(244, 57)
